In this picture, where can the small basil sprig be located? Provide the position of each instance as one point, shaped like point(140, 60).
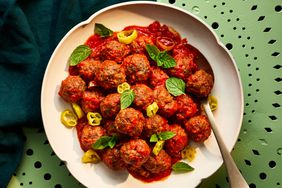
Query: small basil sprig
point(105, 141)
point(182, 167)
point(162, 58)
point(162, 136)
point(102, 30)
point(175, 86)
point(79, 54)
point(126, 98)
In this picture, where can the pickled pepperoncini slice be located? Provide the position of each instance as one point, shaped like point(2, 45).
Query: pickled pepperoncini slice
point(152, 109)
point(212, 102)
point(158, 147)
point(68, 118)
point(94, 118)
point(90, 156)
point(189, 153)
point(77, 110)
point(127, 36)
point(123, 87)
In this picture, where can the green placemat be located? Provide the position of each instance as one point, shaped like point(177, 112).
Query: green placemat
point(252, 31)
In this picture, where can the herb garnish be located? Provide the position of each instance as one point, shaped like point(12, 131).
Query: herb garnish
point(182, 167)
point(175, 86)
point(162, 136)
point(162, 58)
point(79, 54)
point(103, 31)
point(126, 98)
point(105, 141)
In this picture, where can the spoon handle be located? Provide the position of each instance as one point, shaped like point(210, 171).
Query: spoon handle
point(236, 180)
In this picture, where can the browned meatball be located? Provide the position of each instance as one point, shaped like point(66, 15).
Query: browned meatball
point(113, 50)
point(89, 135)
point(185, 66)
point(88, 68)
point(138, 46)
point(137, 68)
point(167, 105)
point(109, 125)
point(135, 152)
point(144, 95)
point(200, 83)
point(186, 107)
point(110, 75)
point(158, 163)
point(130, 122)
point(177, 143)
point(110, 105)
point(157, 76)
point(72, 88)
point(112, 158)
point(155, 124)
point(198, 128)
point(91, 100)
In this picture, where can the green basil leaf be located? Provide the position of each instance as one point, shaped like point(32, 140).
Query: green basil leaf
point(153, 51)
point(112, 142)
point(103, 31)
point(175, 86)
point(166, 135)
point(126, 99)
point(154, 138)
point(165, 60)
point(102, 143)
point(79, 54)
point(182, 167)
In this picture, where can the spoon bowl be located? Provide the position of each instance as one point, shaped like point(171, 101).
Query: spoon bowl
point(236, 180)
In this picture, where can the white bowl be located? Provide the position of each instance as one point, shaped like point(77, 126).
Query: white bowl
point(227, 89)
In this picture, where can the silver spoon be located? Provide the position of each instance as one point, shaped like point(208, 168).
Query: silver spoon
point(236, 180)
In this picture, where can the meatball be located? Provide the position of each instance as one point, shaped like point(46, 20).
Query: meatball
point(115, 51)
point(137, 68)
point(200, 83)
point(167, 105)
point(185, 66)
point(110, 75)
point(89, 135)
point(157, 76)
point(144, 95)
point(135, 152)
point(91, 100)
point(109, 125)
point(130, 122)
point(198, 128)
point(110, 105)
point(138, 46)
point(72, 88)
point(112, 158)
point(177, 143)
point(88, 68)
point(186, 107)
point(156, 164)
point(155, 124)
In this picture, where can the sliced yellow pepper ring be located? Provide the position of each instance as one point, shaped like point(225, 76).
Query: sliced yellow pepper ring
point(189, 153)
point(68, 118)
point(123, 87)
point(127, 36)
point(90, 156)
point(94, 118)
point(212, 102)
point(77, 110)
point(152, 109)
point(158, 147)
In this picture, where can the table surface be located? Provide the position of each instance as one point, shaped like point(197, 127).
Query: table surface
point(252, 31)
